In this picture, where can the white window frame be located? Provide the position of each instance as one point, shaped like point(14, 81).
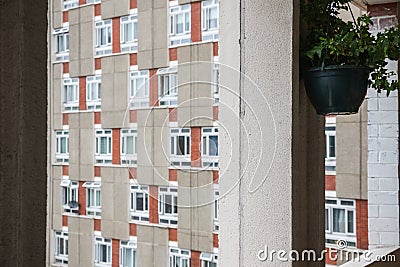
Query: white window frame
point(130, 159)
point(165, 217)
point(93, 92)
point(129, 45)
point(209, 33)
point(103, 158)
point(61, 34)
point(178, 256)
point(184, 37)
point(176, 159)
point(124, 246)
point(70, 196)
point(335, 203)
point(216, 82)
point(103, 27)
point(70, 84)
point(139, 215)
point(330, 162)
point(98, 244)
point(93, 189)
point(216, 210)
point(168, 86)
point(207, 159)
point(61, 251)
point(68, 4)
point(61, 157)
point(93, 1)
point(139, 95)
point(209, 260)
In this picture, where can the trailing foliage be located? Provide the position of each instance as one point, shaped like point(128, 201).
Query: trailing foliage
point(328, 40)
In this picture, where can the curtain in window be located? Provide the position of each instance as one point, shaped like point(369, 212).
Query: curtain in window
point(339, 221)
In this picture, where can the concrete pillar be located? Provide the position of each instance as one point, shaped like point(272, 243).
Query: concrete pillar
point(23, 96)
point(272, 142)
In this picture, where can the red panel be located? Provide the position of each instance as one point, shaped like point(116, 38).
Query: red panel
point(97, 225)
point(153, 213)
point(173, 54)
point(97, 117)
point(153, 88)
point(115, 253)
point(82, 93)
point(97, 171)
point(330, 182)
point(362, 223)
point(173, 114)
point(215, 112)
point(133, 4)
point(82, 199)
point(65, 118)
point(65, 170)
point(116, 44)
point(195, 259)
point(82, 2)
point(65, 220)
point(215, 240)
point(196, 22)
point(133, 116)
point(133, 59)
point(132, 173)
point(65, 67)
point(65, 16)
point(216, 49)
point(97, 10)
point(215, 177)
point(116, 153)
point(173, 175)
point(195, 146)
point(173, 234)
point(132, 229)
point(97, 63)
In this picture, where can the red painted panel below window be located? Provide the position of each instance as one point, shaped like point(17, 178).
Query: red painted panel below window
point(330, 182)
point(65, 67)
point(133, 4)
point(133, 59)
point(153, 212)
point(115, 253)
point(195, 146)
point(195, 259)
point(97, 63)
point(132, 229)
point(82, 199)
point(116, 44)
point(82, 93)
point(116, 140)
point(196, 21)
point(65, 16)
point(65, 119)
point(362, 223)
point(97, 225)
point(173, 54)
point(97, 10)
point(153, 88)
point(173, 234)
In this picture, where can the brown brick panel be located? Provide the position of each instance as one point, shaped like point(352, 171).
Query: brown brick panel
point(173, 114)
point(97, 10)
point(328, 259)
point(173, 234)
point(97, 63)
point(153, 88)
point(133, 59)
point(115, 253)
point(97, 117)
point(65, 119)
point(65, 67)
point(65, 16)
point(82, 2)
point(330, 182)
point(97, 171)
point(196, 21)
point(65, 170)
point(173, 54)
point(215, 177)
point(132, 229)
point(133, 4)
point(133, 116)
point(82, 199)
point(215, 112)
point(215, 49)
point(195, 259)
point(97, 225)
point(173, 175)
point(195, 146)
point(65, 220)
point(132, 173)
point(215, 241)
point(116, 44)
point(116, 140)
point(82, 93)
point(153, 211)
point(362, 223)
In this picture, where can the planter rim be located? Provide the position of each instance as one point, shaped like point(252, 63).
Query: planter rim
point(336, 67)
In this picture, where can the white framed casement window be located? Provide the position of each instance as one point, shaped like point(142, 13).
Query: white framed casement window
point(93, 92)
point(102, 252)
point(69, 196)
point(61, 37)
point(128, 146)
point(68, 4)
point(210, 20)
point(70, 94)
point(61, 247)
point(179, 257)
point(93, 1)
point(340, 221)
point(209, 260)
point(139, 88)
point(129, 34)
point(93, 198)
point(128, 255)
point(62, 146)
point(216, 82)
point(180, 147)
point(216, 210)
point(139, 206)
point(180, 25)
point(209, 146)
point(168, 86)
point(168, 205)
point(103, 146)
point(103, 37)
point(330, 150)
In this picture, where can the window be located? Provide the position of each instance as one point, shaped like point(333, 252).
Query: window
point(93, 92)
point(210, 20)
point(129, 33)
point(92, 1)
point(62, 44)
point(93, 198)
point(139, 88)
point(70, 94)
point(208, 260)
point(69, 196)
point(103, 37)
point(340, 220)
point(180, 147)
point(179, 257)
point(70, 3)
point(62, 146)
point(330, 151)
point(103, 146)
point(216, 210)
point(168, 205)
point(102, 252)
point(128, 146)
point(180, 25)
point(168, 84)
point(209, 147)
point(216, 82)
point(61, 247)
point(128, 257)
point(139, 207)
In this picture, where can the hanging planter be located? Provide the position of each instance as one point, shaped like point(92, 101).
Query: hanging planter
point(336, 90)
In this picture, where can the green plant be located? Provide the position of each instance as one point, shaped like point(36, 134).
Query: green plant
point(328, 40)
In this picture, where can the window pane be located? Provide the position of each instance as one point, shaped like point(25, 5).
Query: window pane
point(339, 224)
point(213, 145)
point(139, 202)
point(181, 145)
point(168, 202)
point(129, 145)
point(103, 145)
point(350, 221)
point(63, 145)
point(332, 152)
point(98, 198)
point(326, 219)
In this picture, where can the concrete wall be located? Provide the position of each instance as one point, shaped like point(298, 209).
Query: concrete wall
point(57, 96)
point(152, 247)
point(80, 241)
point(114, 8)
point(57, 208)
point(57, 14)
point(352, 153)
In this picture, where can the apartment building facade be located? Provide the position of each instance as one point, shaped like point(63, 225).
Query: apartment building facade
point(133, 131)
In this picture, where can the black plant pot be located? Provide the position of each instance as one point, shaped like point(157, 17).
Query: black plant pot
point(337, 90)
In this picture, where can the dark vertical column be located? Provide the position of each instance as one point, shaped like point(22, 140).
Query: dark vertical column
point(23, 108)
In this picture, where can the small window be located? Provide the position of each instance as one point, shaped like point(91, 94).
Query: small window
point(62, 146)
point(104, 37)
point(179, 257)
point(70, 94)
point(340, 219)
point(330, 150)
point(209, 260)
point(102, 249)
point(139, 206)
point(93, 92)
point(68, 4)
point(180, 147)
point(216, 82)
point(210, 20)
point(128, 146)
point(139, 88)
point(128, 255)
point(69, 196)
point(93, 198)
point(180, 23)
point(168, 205)
point(62, 44)
point(216, 210)
point(129, 33)
point(210, 147)
point(92, 1)
point(103, 146)
point(168, 86)
point(61, 247)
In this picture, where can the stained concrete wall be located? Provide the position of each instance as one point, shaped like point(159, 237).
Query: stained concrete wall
point(152, 247)
point(23, 106)
point(114, 8)
point(57, 208)
point(57, 96)
point(80, 241)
